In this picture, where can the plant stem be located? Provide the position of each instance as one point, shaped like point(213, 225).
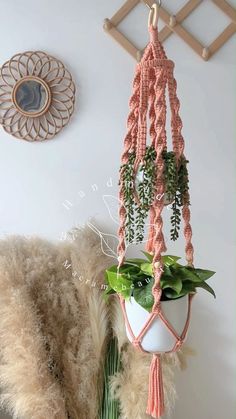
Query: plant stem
point(110, 406)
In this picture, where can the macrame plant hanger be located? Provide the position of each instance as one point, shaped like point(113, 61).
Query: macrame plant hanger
point(153, 80)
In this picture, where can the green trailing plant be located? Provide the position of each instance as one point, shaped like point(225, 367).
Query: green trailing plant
point(183, 181)
point(171, 191)
point(135, 279)
point(139, 198)
point(127, 174)
point(170, 174)
point(177, 189)
point(110, 406)
point(175, 218)
point(181, 196)
point(145, 191)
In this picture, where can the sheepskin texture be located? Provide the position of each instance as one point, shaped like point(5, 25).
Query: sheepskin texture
point(54, 325)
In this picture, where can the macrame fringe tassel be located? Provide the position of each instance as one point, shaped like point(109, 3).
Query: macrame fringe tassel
point(155, 407)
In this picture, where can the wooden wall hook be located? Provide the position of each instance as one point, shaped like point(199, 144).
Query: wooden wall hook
point(173, 25)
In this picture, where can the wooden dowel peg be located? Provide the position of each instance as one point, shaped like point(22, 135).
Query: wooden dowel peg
point(205, 53)
point(173, 21)
point(107, 24)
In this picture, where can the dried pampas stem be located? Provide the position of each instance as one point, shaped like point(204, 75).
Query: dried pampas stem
point(54, 329)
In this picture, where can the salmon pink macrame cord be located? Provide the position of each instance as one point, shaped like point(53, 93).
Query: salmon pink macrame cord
point(153, 76)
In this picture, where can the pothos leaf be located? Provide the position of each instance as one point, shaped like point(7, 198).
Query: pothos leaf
point(169, 259)
point(147, 268)
point(185, 273)
point(148, 256)
point(207, 287)
point(135, 277)
point(143, 296)
point(119, 283)
point(203, 274)
point(134, 261)
point(173, 283)
point(186, 289)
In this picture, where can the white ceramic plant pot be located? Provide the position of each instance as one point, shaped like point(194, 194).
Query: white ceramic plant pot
point(158, 338)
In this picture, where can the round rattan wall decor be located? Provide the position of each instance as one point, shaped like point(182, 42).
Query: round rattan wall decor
point(37, 96)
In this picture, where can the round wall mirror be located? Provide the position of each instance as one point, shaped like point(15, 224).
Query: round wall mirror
point(31, 96)
point(37, 96)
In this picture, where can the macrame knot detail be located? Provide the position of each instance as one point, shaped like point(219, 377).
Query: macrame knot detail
point(156, 309)
point(179, 343)
point(136, 344)
point(122, 212)
point(156, 294)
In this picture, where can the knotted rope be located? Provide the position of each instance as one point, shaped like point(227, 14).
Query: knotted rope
point(153, 75)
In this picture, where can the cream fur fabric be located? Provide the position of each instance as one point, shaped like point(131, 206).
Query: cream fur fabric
point(54, 325)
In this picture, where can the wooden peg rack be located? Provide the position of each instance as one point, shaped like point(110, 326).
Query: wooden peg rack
point(172, 25)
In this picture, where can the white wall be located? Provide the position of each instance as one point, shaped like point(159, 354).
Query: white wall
point(35, 179)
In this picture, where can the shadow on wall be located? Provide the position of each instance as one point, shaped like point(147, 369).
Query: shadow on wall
point(206, 381)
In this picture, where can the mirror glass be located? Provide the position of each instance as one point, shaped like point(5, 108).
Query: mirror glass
point(31, 96)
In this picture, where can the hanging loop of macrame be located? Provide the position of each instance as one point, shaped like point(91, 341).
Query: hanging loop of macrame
point(153, 80)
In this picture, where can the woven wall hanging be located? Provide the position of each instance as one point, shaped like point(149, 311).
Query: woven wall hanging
point(153, 81)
